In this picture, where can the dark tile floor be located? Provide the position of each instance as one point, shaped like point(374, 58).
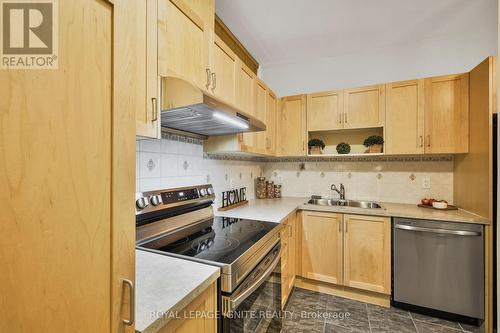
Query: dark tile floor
point(309, 311)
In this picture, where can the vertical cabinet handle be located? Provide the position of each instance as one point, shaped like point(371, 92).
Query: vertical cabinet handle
point(421, 140)
point(428, 140)
point(214, 81)
point(131, 320)
point(345, 117)
point(340, 118)
point(345, 228)
point(154, 108)
point(340, 226)
point(208, 77)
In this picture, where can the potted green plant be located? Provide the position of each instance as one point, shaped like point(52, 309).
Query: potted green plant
point(343, 148)
point(316, 146)
point(374, 143)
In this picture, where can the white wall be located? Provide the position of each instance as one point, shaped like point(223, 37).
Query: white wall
point(178, 161)
point(343, 44)
point(438, 56)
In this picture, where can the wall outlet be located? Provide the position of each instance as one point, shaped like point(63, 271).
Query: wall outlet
point(426, 182)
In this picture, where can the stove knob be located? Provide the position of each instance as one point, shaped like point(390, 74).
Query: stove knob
point(155, 200)
point(142, 203)
point(210, 191)
point(203, 192)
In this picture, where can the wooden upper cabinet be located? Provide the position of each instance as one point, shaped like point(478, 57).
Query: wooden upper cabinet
point(271, 123)
point(292, 124)
point(364, 107)
point(447, 114)
point(321, 246)
point(204, 9)
point(147, 114)
point(224, 71)
point(404, 123)
point(246, 89)
point(183, 43)
point(325, 111)
point(367, 253)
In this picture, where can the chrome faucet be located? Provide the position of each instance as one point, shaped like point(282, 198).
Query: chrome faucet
point(341, 192)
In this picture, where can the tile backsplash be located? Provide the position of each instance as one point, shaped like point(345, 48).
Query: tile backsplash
point(389, 181)
point(179, 161)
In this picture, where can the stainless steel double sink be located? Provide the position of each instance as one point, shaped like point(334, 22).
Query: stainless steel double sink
point(345, 203)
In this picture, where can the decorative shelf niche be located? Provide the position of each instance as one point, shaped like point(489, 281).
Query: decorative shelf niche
point(354, 137)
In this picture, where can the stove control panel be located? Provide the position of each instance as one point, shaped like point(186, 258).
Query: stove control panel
point(166, 198)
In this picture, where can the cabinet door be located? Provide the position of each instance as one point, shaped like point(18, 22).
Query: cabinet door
point(271, 124)
point(364, 107)
point(404, 120)
point(292, 126)
point(204, 305)
point(246, 89)
point(285, 263)
point(204, 9)
point(292, 245)
point(224, 71)
point(325, 111)
point(261, 114)
point(321, 246)
point(147, 121)
point(66, 278)
point(183, 43)
point(367, 253)
point(447, 114)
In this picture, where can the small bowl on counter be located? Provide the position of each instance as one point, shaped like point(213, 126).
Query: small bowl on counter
point(440, 204)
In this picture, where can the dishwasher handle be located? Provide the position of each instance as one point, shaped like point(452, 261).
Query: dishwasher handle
point(438, 231)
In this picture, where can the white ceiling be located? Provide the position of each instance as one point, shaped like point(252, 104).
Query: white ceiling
point(314, 45)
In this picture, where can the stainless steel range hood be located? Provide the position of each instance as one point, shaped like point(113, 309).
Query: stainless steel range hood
point(186, 108)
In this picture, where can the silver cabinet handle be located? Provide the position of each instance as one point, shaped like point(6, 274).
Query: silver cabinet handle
point(421, 139)
point(340, 118)
point(345, 117)
point(214, 81)
point(428, 140)
point(155, 109)
point(131, 320)
point(438, 231)
point(208, 77)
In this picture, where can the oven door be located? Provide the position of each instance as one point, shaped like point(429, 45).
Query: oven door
point(255, 306)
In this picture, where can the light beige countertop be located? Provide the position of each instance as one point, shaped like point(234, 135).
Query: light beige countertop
point(276, 210)
point(164, 285)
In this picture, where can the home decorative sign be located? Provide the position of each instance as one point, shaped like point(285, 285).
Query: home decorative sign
point(233, 198)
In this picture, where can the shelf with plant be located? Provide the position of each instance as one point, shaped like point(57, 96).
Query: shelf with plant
point(355, 138)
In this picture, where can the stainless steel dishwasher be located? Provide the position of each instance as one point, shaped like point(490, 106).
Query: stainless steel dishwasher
point(439, 266)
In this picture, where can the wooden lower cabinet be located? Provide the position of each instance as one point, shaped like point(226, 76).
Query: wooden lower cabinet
point(321, 246)
point(203, 311)
point(346, 250)
point(288, 250)
point(367, 253)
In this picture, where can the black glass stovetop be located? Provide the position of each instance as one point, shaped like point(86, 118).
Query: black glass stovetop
point(222, 241)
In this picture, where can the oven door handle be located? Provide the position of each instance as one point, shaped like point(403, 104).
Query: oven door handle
point(240, 298)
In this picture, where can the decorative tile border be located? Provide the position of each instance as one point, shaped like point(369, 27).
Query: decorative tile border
point(181, 138)
point(368, 159)
point(247, 158)
point(395, 158)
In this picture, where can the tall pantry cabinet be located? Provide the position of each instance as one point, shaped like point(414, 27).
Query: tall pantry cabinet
point(67, 169)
